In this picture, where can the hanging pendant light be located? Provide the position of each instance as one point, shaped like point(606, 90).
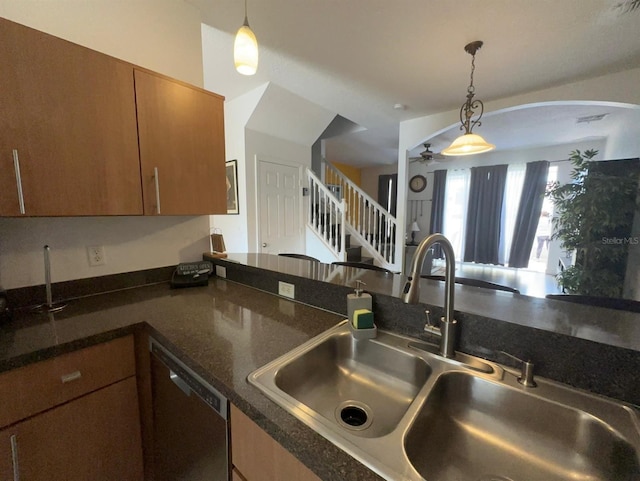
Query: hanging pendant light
point(470, 143)
point(245, 48)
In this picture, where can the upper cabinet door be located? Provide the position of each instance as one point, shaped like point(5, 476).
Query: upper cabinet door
point(68, 124)
point(181, 132)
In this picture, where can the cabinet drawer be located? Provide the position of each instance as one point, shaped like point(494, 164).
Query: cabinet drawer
point(34, 388)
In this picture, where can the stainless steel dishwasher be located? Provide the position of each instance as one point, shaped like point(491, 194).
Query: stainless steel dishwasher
point(191, 436)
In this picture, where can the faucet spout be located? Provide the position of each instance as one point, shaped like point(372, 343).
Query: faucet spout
point(411, 291)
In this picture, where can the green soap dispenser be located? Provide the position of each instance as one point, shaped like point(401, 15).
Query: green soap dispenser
point(358, 300)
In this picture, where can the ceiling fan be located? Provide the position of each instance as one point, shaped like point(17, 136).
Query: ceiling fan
point(427, 156)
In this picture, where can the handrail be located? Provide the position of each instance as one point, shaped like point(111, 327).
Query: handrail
point(327, 216)
point(373, 225)
point(335, 172)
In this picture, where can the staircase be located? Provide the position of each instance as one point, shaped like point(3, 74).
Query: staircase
point(340, 212)
point(354, 253)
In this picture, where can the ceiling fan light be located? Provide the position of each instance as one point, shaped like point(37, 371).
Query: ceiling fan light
point(245, 51)
point(468, 144)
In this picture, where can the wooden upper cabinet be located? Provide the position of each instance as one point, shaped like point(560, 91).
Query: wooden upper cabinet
point(68, 118)
point(181, 133)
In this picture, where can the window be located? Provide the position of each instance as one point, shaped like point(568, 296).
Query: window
point(455, 208)
point(512, 193)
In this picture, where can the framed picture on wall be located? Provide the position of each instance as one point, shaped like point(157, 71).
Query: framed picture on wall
point(232, 187)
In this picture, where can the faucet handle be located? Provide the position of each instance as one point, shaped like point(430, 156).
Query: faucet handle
point(429, 327)
point(526, 370)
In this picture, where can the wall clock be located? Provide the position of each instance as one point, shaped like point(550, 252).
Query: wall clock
point(418, 183)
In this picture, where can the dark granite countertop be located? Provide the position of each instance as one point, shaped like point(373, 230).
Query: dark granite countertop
point(223, 332)
point(606, 326)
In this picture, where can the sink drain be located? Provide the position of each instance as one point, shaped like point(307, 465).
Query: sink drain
point(354, 415)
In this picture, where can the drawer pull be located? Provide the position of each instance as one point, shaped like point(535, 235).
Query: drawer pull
point(14, 457)
point(16, 167)
point(156, 179)
point(71, 377)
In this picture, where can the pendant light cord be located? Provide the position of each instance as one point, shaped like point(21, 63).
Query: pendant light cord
point(246, 20)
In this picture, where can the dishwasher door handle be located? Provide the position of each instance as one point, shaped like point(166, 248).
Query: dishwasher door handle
point(181, 383)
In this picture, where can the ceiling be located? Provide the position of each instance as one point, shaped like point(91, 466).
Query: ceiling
point(359, 58)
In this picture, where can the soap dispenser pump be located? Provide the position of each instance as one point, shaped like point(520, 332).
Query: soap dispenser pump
point(358, 300)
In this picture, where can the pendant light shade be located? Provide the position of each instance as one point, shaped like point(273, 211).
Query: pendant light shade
point(470, 143)
point(245, 48)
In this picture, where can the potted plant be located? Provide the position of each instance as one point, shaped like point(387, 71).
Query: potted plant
point(593, 218)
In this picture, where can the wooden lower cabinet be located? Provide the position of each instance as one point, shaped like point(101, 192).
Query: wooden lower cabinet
point(256, 456)
point(94, 437)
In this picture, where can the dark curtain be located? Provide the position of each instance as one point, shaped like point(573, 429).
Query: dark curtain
point(529, 209)
point(383, 192)
point(484, 213)
point(437, 208)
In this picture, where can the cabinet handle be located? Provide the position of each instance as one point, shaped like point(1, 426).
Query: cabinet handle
point(157, 181)
point(16, 167)
point(72, 376)
point(14, 457)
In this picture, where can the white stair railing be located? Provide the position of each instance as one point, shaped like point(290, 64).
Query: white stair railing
point(372, 224)
point(326, 216)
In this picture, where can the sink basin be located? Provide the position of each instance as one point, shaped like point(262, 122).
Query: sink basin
point(411, 415)
point(486, 431)
point(365, 387)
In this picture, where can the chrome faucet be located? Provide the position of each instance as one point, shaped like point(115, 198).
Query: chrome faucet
point(411, 291)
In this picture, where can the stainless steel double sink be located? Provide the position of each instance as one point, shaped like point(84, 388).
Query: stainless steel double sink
point(410, 414)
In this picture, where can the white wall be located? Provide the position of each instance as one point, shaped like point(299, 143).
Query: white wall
point(316, 248)
point(131, 243)
point(617, 87)
point(263, 124)
point(624, 143)
point(236, 115)
point(162, 35)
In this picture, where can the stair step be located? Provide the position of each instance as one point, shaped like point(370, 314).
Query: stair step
point(354, 254)
point(366, 260)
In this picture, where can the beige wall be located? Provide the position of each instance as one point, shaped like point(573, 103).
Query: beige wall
point(162, 35)
point(369, 178)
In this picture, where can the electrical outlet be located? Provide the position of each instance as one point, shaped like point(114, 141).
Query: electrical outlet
point(96, 255)
point(221, 271)
point(286, 290)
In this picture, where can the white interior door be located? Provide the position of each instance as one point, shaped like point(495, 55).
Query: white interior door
point(280, 228)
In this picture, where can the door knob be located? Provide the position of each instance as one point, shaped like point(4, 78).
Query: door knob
point(264, 244)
